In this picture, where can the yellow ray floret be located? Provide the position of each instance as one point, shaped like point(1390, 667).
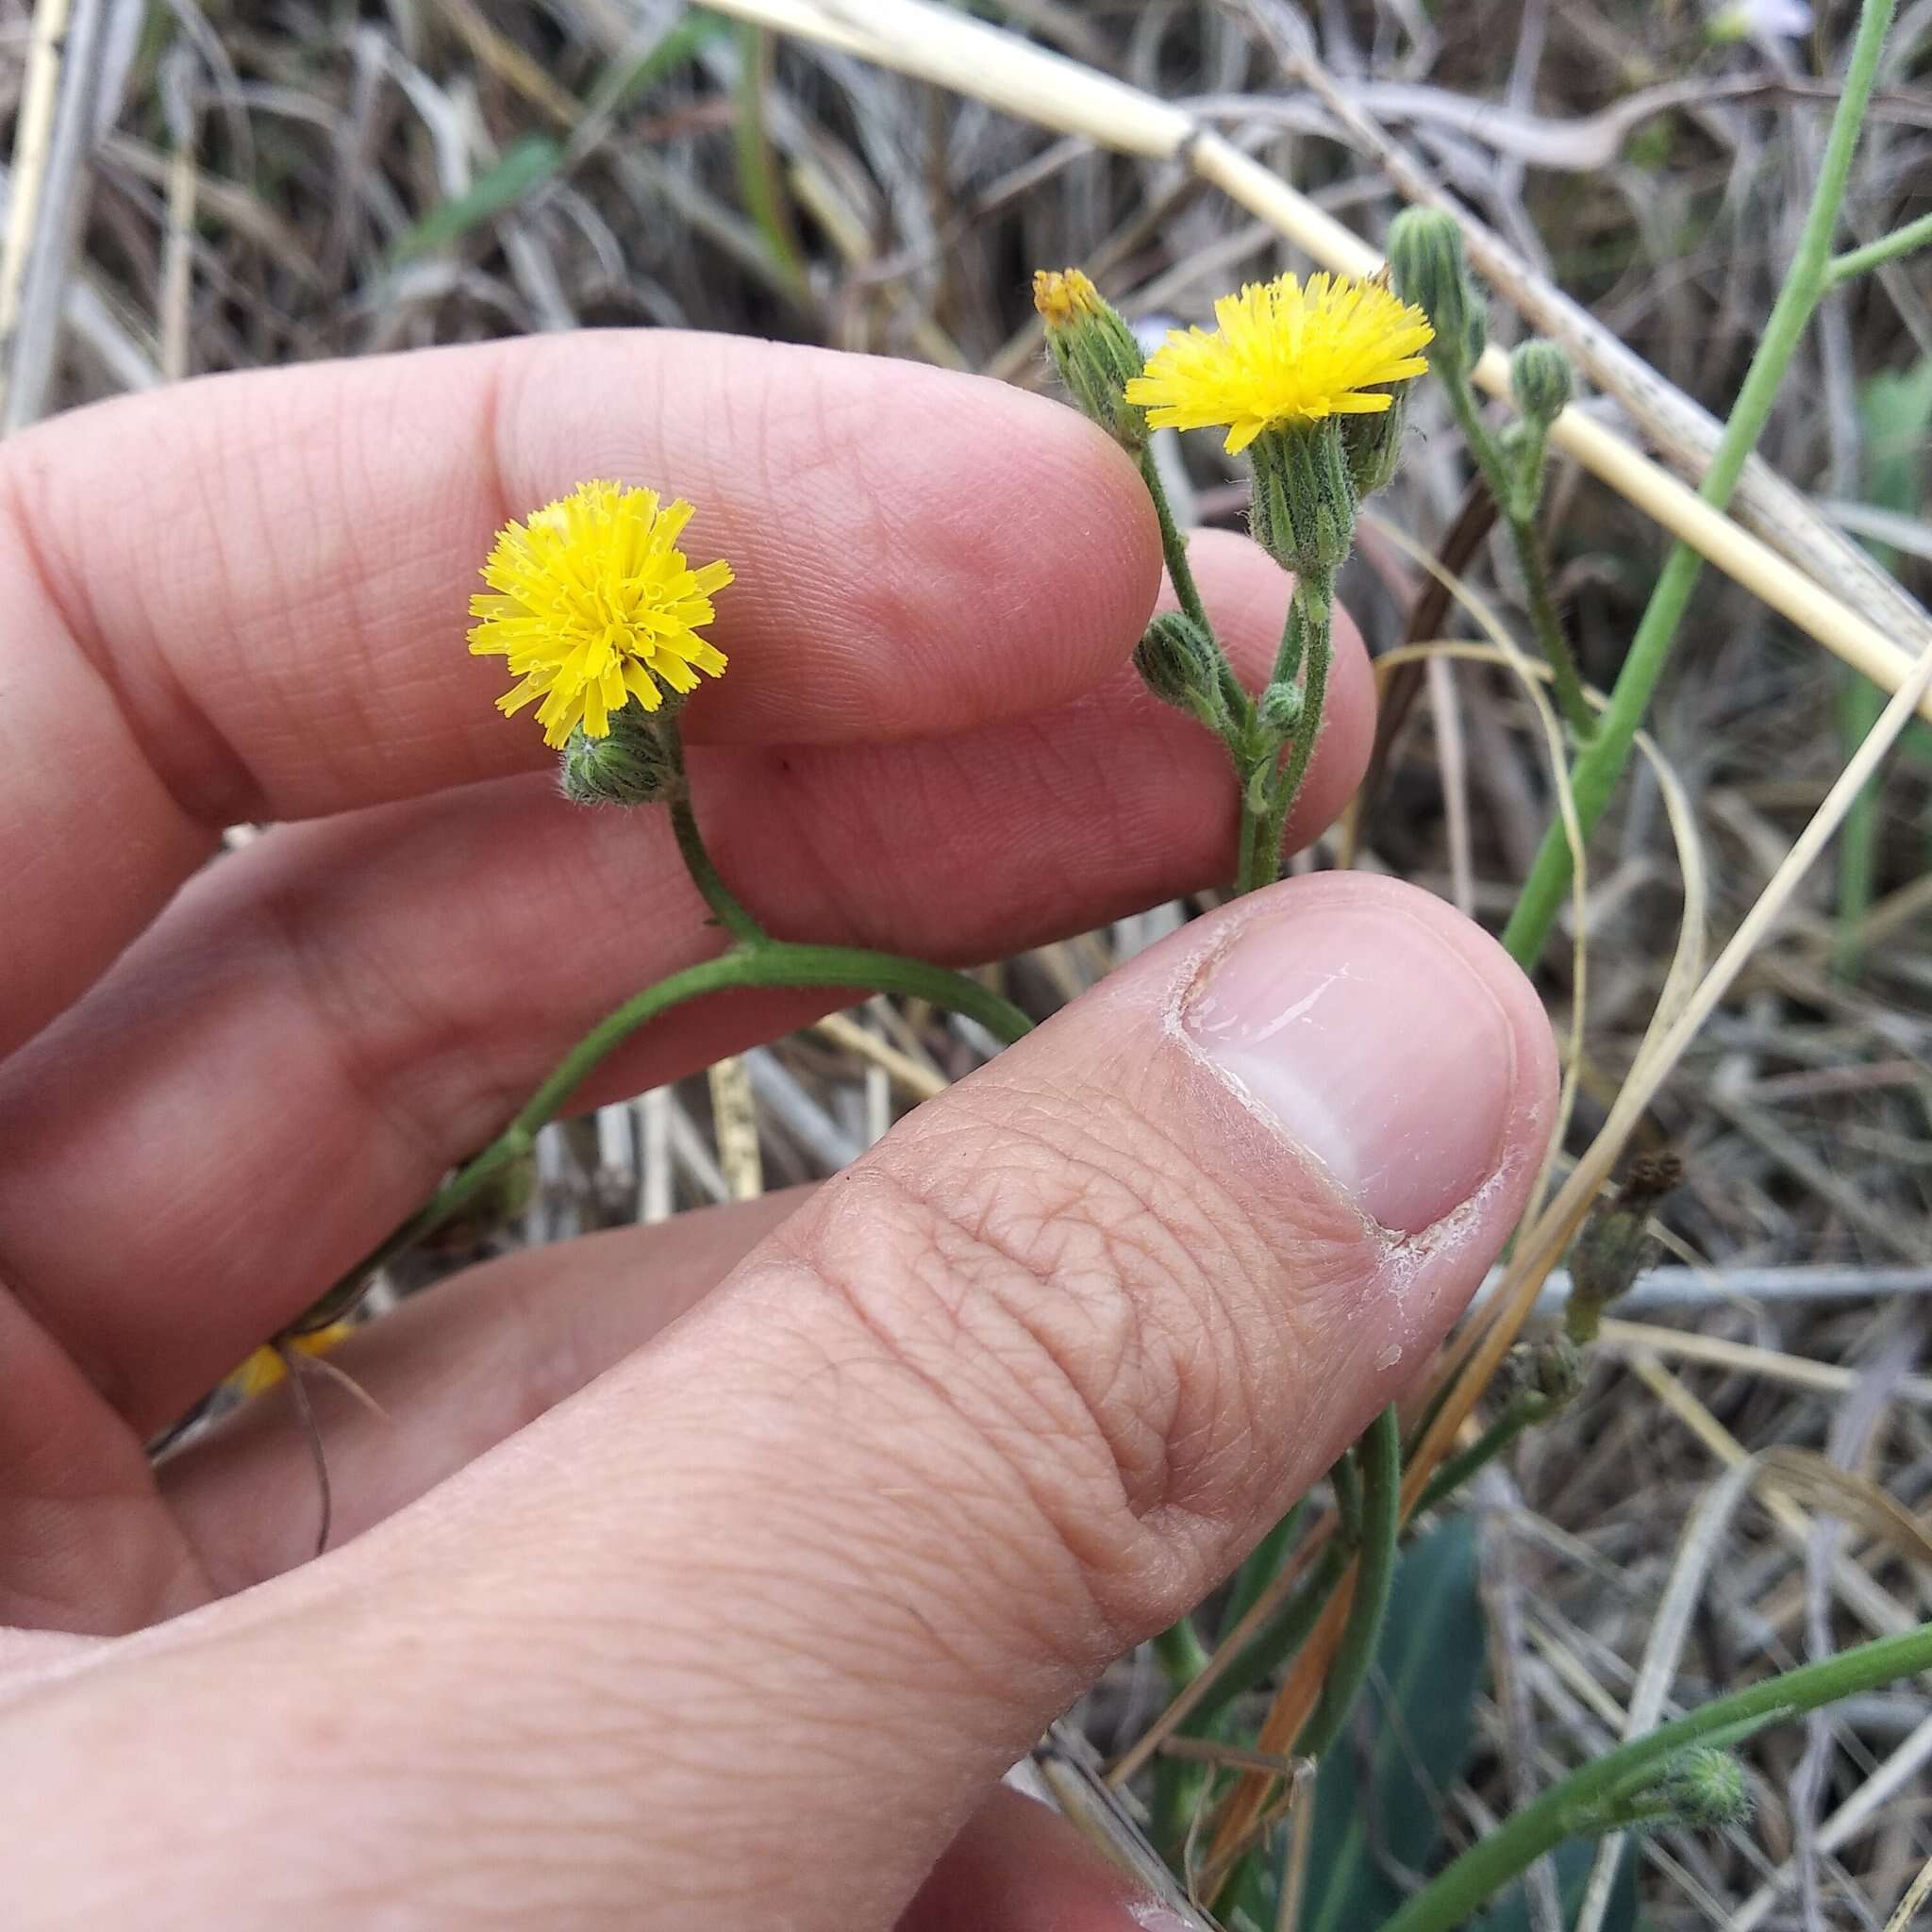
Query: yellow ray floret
point(266, 1367)
point(1282, 353)
point(593, 604)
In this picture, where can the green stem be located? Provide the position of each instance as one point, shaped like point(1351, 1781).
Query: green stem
point(1519, 519)
point(761, 963)
point(1601, 763)
point(1548, 625)
point(1859, 261)
point(1276, 1642)
point(1182, 1655)
point(1521, 1414)
point(1380, 1456)
point(1263, 1563)
point(1579, 1803)
point(1173, 546)
point(1314, 597)
point(705, 875)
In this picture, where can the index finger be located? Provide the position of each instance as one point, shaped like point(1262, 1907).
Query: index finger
point(246, 597)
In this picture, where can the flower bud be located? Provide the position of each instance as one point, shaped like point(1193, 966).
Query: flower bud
point(1094, 351)
point(1372, 445)
point(1303, 509)
point(1702, 1787)
point(1616, 1244)
point(1706, 1786)
point(1181, 665)
point(1280, 710)
point(627, 766)
point(1543, 1376)
point(1426, 260)
point(1542, 382)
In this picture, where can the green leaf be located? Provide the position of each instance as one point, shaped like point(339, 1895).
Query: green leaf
point(1573, 1859)
point(529, 162)
point(524, 165)
point(1419, 1711)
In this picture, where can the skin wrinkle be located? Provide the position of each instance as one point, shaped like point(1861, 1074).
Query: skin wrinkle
point(1119, 1412)
point(872, 1297)
point(64, 589)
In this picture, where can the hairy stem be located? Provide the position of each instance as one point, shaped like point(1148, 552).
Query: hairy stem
point(725, 906)
point(1532, 560)
point(761, 963)
point(1173, 546)
point(1579, 1803)
point(1379, 1455)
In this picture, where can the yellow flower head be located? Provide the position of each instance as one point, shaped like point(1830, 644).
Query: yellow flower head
point(1285, 354)
point(1061, 293)
point(594, 605)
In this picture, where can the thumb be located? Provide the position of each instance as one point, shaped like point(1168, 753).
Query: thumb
point(743, 1633)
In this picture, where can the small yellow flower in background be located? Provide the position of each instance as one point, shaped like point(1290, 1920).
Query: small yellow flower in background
point(595, 605)
point(265, 1367)
point(1284, 354)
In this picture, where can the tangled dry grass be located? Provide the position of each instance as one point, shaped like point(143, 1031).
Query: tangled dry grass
point(228, 187)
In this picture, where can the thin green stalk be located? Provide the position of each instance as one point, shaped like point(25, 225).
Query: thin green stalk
point(1519, 520)
point(1548, 624)
point(1173, 546)
point(1182, 1655)
point(705, 875)
point(1380, 1456)
point(1457, 1470)
point(1586, 1800)
point(1276, 1642)
point(1859, 261)
point(1601, 763)
point(761, 962)
point(1314, 597)
point(1263, 1564)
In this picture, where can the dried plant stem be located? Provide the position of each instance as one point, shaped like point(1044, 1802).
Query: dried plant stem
point(32, 138)
point(1809, 279)
point(980, 61)
point(1587, 1798)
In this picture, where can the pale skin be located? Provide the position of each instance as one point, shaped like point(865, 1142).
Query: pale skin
point(708, 1574)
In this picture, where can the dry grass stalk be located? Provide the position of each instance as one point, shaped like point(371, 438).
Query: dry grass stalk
point(915, 38)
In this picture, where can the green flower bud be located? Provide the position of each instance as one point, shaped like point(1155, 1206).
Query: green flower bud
point(1542, 382)
point(1705, 1787)
point(1426, 260)
point(1372, 445)
point(1616, 1244)
point(1543, 1376)
point(1280, 710)
point(1094, 351)
point(626, 766)
point(1181, 665)
point(1302, 512)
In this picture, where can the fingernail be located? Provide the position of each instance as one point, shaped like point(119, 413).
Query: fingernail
point(1377, 1044)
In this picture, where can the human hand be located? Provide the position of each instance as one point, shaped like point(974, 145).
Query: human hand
point(709, 1574)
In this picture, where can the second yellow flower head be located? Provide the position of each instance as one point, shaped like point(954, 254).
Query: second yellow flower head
point(593, 604)
point(1282, 353)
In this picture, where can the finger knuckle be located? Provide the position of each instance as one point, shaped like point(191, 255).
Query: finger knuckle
point(1080, 1297)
